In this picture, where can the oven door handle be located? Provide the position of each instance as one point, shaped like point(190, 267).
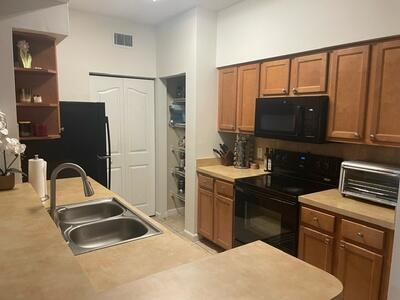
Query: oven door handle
point(254, 194)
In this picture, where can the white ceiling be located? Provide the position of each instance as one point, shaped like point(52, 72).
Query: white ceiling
point(146, 11)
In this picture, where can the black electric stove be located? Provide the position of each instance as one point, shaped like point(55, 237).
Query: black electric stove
point(266, 207)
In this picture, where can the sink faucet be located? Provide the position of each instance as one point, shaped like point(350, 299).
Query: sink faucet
point(87, 188)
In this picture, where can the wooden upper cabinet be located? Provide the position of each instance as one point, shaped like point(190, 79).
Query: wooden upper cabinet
point(227, 99)
point(309, 74)
point(248, 87)
point(223, 222)
point(348, 93)
point(360, 271)
point(274, 77)
point(384, 104)
point(205, 217)
point(316, 248)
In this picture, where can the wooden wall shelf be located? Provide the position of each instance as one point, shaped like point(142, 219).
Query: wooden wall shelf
point(37, 138)
point(35, 71)
point(37, 105)
point(42, 80)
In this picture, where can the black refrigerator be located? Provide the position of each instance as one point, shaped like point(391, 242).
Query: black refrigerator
point(85, 140)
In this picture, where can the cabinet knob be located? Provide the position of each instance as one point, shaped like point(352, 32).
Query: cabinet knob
point(315, 219)
point(294, 90)
point(360, 234)
point(327, 241)
point(356, 134)
point(372, 136)
point(284, 91)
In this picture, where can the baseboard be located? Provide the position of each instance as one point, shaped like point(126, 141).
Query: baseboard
point(194, 237)
point(175, 211)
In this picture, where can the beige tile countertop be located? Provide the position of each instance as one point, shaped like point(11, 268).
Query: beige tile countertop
point(253, 271)
point(332, 200)
point(36, 263)
point(229, 173)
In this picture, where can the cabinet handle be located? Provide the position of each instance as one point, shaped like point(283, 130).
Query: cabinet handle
point(294, 90)
point(360, 234)
point(284, 91)
point(372, 136)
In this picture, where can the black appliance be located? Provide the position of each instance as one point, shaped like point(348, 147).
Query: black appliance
point(266, 206)
point(296, 118)
point(85, 140)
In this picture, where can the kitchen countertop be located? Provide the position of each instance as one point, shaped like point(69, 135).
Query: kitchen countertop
point(332, 200)
point(253, 271)
point(229, 173)
point(36, 263)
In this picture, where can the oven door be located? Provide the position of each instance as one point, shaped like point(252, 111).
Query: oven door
point(267, 217)
point(278, 118)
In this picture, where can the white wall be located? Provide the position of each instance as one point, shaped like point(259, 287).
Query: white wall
point(89, 48)
point(187, 44)
point(258, 29)
point(176, 55)
point(52, 20)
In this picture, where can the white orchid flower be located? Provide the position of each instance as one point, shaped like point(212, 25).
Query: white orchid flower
point(15, 146)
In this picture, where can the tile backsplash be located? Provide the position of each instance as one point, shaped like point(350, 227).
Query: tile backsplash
point(385, 155)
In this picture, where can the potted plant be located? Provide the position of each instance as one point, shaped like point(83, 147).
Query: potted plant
point(13, 146)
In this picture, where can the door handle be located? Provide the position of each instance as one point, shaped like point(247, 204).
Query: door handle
point(103, 157)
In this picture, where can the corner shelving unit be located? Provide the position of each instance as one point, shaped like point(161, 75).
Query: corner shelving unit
point(42, 80)
point(176, 141)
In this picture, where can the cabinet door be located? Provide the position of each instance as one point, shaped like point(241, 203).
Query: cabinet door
point(249, 82)
point(360, 271)
point(227, 99)
point(205, 223)
point(316, 248)
point(385, 91)
point(223, 222)
point(274, 77)
point(308, 74)
point(348, 93)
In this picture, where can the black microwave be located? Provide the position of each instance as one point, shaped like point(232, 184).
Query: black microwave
point(297, 118)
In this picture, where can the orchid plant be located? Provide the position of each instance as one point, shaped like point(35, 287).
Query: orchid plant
point(11, 145)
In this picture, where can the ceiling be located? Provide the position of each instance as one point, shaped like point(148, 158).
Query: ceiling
point(10, 8)
point(146, 11)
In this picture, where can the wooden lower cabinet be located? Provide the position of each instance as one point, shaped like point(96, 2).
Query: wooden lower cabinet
point(223, 222)
point(360, 271)
point(215, 211)
point(205, 223)
point(357, 253)
point(316, 248)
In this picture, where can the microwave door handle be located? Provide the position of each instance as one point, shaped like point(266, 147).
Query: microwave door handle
point(369, 192)
point(299, 119)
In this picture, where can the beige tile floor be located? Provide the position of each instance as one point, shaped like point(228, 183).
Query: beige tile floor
point(176, 223)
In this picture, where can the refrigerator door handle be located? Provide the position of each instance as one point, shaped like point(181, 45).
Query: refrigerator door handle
point(103, 157)
point(108, 156)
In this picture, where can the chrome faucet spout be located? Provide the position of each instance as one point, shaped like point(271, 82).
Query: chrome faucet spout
point(87, 187)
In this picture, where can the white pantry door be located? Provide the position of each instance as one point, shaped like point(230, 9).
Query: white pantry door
point(130, 109)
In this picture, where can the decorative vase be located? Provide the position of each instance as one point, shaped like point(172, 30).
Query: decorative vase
point(7, 182)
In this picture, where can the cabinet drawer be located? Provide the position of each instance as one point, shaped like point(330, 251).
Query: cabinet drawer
point(206, 182)
point(224, 188)
point(318, 219)
point(363, 234)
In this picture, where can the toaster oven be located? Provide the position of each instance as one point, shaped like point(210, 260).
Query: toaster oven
point(369, 181)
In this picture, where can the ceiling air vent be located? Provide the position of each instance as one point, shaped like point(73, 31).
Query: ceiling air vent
point(124, 40)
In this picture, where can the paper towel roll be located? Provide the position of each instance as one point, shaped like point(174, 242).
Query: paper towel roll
point(37, 176)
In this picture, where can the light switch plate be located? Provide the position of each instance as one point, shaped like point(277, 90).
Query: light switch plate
point(260, 153)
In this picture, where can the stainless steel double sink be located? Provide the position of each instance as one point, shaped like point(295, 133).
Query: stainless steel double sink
point(92, 225)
